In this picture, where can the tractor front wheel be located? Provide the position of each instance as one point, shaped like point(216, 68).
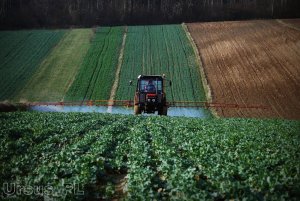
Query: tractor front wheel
point(163, 111)
point(137, 110)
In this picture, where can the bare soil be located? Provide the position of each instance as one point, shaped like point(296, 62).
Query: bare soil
point(293, 22)
point(117, 76)
point(251, 63)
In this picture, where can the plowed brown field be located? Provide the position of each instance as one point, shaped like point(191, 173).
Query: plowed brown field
point(292, 22)
point(251, 63)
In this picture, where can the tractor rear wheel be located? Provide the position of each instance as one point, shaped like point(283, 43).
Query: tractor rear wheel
point(137, 110)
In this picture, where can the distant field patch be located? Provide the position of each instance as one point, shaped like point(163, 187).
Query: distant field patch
point(21, 52)
point(58, 70)
point(96, 74)
point(252, 63)
point(163, 49)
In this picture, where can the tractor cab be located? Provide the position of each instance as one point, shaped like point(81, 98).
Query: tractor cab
point(150, 95)
point(150, 84)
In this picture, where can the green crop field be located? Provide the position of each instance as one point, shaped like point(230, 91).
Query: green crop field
point(130, 157)
point(97, 72)
point(146, 158)
point(163, 49)
point(21, 52)
point(57, 71)
point(83, 67)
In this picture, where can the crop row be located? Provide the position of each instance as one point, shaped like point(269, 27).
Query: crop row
point(57, 71)
point(163, 49)
point(21, 53)
point(97, 72)
point(78, 69)
point(137, 158)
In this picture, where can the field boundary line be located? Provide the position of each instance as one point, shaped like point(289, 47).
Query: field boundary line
point(117, 75)
point(287, 25)
point(206, 87)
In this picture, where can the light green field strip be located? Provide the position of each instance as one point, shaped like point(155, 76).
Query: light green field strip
point(58, 70)
point(163, 49)
point(21, 53)
point(96, 75)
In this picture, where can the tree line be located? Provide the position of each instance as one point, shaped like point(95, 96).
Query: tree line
point(86, 13)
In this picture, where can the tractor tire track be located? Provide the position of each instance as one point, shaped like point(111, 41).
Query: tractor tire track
point(117, 75)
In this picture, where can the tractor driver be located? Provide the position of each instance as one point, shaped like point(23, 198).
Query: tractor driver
point(150, 87)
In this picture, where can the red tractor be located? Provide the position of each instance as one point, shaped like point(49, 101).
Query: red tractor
point(150, 95)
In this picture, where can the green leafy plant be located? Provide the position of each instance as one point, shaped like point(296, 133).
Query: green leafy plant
point(162, 158)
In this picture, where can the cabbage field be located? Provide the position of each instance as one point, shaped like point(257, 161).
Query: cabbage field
point(148, 158)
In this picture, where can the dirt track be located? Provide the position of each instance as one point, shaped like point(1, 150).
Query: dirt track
point(251, 63)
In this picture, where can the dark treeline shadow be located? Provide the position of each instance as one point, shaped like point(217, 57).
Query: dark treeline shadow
point(15, 14)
